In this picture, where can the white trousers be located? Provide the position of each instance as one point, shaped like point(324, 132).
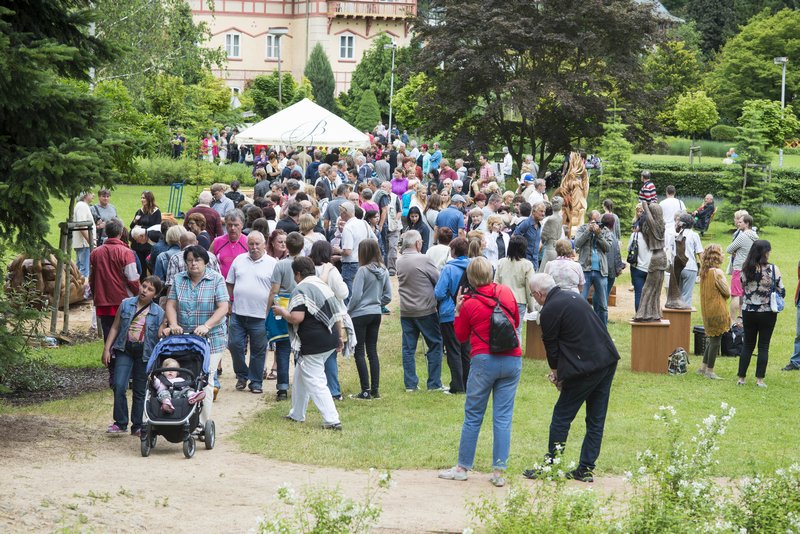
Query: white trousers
point(310, 383)
point(205, 414)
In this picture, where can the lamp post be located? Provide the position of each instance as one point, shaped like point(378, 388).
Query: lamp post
point(782, 61)
point(278, 32)
point(393, 46)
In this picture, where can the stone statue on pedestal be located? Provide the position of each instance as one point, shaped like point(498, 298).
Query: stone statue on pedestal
point(651, 224)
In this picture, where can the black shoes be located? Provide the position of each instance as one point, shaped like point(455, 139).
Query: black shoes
point(581, 475)
point(364, 395)
point(790, 367)
point(241, 383)
point(282, 395)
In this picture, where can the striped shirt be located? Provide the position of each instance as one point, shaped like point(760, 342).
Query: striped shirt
point(648, 192)
point(197, 303)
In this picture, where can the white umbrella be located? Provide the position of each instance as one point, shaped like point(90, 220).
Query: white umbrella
point(304, 124)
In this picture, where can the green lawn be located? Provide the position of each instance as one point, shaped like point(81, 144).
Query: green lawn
point(421, 430)
point(126, 198)
point(789, 161)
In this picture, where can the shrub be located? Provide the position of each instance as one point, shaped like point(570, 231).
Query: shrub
point(165, 171)
point(723, 132)
point(21, 317)
point(679, 146)
point(369, 113)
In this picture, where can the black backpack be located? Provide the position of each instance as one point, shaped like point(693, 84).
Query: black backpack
point(502, 334)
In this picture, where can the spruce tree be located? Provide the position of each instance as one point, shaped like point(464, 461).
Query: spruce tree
point(319, 73)
point(54, 128)
point(369, 114)
point(618, 169)
point(745, 185)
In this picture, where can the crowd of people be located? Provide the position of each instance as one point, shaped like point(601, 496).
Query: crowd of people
point(302, 267)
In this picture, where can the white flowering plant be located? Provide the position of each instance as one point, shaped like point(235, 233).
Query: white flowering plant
point(326, 510)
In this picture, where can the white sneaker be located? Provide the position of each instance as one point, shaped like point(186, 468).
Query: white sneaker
point(454, 473)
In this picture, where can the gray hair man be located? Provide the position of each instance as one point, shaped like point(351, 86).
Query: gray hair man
point(569, 326)
point(213, 219)
point(249, 282)
point(417, 277)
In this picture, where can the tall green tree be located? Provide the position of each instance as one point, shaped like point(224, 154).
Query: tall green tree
point(534, 77)
point(618, 168)
point(320, 74)
point(777, 130)
point(153, 37)
point(716, 22)
point(369, 114)
point(263, 93)
point(374, 72)
point(54, 131)
point(695, 113)
point(671, 70)
point(745, 70)
point(745, 184)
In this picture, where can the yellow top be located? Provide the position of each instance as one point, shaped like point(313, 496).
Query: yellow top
point(714, 295)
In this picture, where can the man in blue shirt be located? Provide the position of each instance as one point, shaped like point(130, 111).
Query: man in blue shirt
point(452, 217)
point(531, 229)
point(436, 157)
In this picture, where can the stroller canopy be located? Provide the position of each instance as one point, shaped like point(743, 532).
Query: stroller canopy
point(181, 344)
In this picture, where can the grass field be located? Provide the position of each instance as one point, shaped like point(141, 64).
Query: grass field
point(421, 430)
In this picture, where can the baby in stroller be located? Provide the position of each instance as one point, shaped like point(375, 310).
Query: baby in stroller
point(170, 385)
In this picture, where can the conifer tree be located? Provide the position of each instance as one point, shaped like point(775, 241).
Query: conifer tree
point(54, 129)
point(618, 168)
point(369, 114)
point(320, 74)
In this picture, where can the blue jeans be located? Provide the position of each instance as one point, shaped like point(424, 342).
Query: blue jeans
point(82, 260)
point(349, 270)
point(126, 367)
point(498, 375)
point(283, 350)
point(600, 297)
point(637, 278)
point(795, 360)
point(242, 328)
point(609, 285)
point(428, 326)
point(332, 375)
point(686, 283)
point(594, 390)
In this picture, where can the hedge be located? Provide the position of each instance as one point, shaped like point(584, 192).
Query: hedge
point(165, 171)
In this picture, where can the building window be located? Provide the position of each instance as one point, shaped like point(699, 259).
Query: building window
point(232, 45)
point(273, 47)
point(346, 46)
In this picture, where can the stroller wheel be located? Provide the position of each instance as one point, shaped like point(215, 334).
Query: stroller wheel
point(153, 440)
point(145, 446)
point(209, 435)
point(189, 447)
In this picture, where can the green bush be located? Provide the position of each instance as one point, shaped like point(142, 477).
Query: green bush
point(165, 171)
point(723, 132)
point(784, 216)
point(679, 146)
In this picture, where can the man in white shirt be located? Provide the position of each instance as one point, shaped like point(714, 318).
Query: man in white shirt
point(670, 207)
point(249, 282)
point(508, 164)
point(354, 231)
point(80, 238)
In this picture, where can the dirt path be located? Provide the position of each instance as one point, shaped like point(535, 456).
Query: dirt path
point(57, 475)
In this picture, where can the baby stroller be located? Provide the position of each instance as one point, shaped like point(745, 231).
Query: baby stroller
point(192, 354)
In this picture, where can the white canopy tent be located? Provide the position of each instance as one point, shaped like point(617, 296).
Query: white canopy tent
point(304, 124)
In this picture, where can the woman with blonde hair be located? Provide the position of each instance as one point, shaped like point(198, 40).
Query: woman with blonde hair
point(307, 224)
point(475, 220)
point(477, 244)
point(714, 293)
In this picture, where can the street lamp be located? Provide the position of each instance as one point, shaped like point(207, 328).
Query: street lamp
point(278, 32)
point(782, 61)
point(393, 46)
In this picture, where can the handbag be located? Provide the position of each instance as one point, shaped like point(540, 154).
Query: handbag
point(776, 303)
point(633, 252)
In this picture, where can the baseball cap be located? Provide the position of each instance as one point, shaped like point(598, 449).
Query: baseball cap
point(457, 198)
point(528, 177)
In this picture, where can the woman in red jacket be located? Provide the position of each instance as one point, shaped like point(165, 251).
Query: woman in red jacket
point(496, 374)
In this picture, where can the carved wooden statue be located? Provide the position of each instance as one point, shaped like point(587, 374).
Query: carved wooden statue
point(552, 231)
point(652, 228)
point(574, 190)
point(674, 296)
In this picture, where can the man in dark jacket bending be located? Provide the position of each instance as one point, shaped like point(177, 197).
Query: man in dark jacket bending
point(582, 360)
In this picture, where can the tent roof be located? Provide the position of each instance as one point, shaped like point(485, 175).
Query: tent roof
point(304, 123)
